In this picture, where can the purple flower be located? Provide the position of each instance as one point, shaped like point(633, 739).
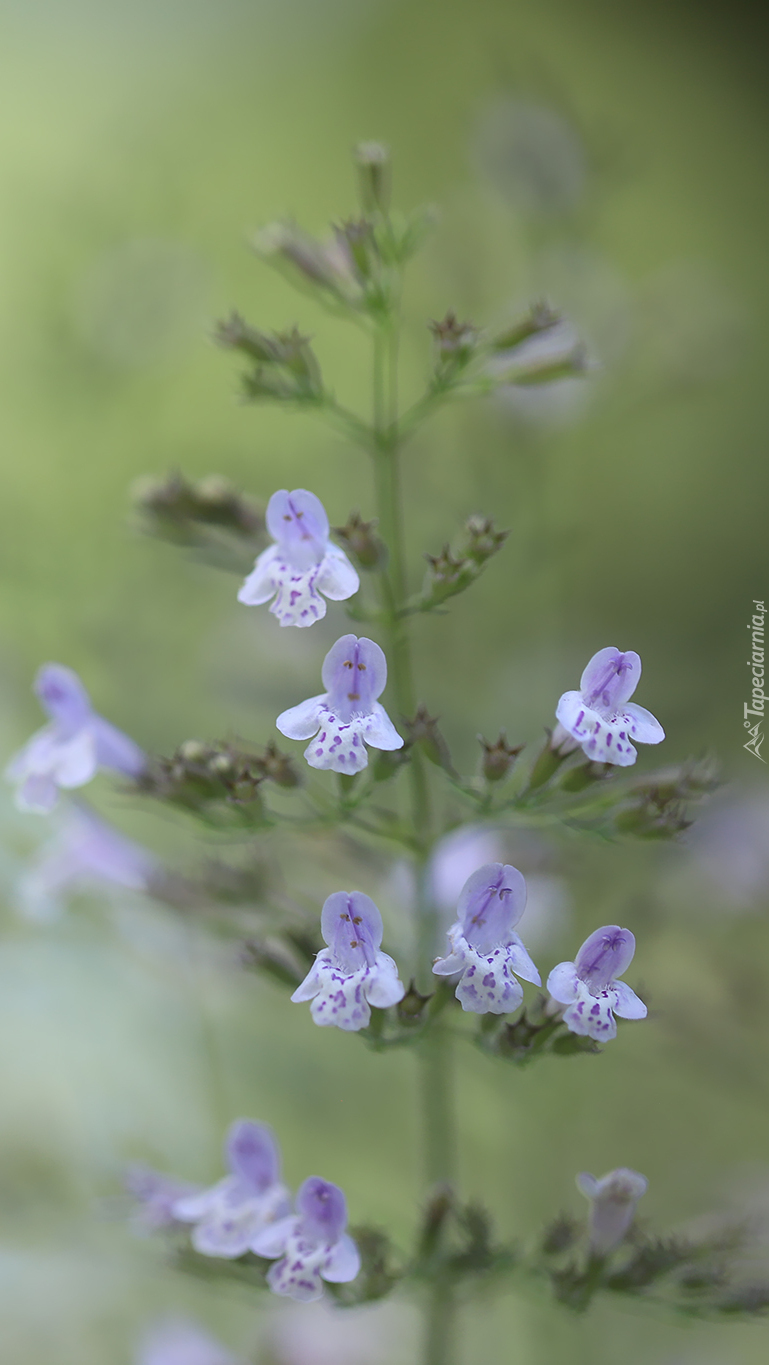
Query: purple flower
point(179, 1342)
point(156, 1195)
point(589, 986)
point(600, 716)
point(229, 1215)
point(351, 974)
point(301, 564)
point(484, 947)
point(347, 716)
point(613, 1201)
point(313, 1244)
point(85, 850)
point(68, 752)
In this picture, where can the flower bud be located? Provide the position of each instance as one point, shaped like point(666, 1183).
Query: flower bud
point(483, 540)
point(540, 318)
point(424, 733)
point(359, 537)
point(455, 344)
point(558, 746)
point(411, 1008)
point(278, 767)
point(372, 160)
point(498, 759)
point(613, 1201)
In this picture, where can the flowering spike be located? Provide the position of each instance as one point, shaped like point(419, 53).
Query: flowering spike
point(231, 1213)
point(68, 752)
point(303, 566)
point(588, 986)
point(485, 950)
point(351, 974)
point(613, 1201)
point(348, 714)
point(600, 716)
point(312, 1245)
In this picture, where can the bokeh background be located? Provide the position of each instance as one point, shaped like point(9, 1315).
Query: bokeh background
point(607, 155)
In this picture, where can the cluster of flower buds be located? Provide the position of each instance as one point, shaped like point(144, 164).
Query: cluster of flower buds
point(200, 777)
point(283, 365)
point(451, 573)
point(658, 807)
point(179, 510)
point(456, 344)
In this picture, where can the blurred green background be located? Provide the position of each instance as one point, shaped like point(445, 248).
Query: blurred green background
point(607, 155)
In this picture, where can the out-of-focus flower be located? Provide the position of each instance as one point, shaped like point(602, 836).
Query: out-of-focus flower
point(177, 1341)
point(301, 565)
point(613, 1201)
point(156, 1195)
point(484, 947)
point(229, 1215)
point(600, 715)
point(326, 266)
point(318, 1334)
point(68, 752)
point(533, 157)
point(313, 1245)
point(589, 986)
point(351, 974)
point(729, 846)
point(348, 714)
point(86, 851)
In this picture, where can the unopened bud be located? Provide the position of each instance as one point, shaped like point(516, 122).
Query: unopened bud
point(540, 319)
point(613, 1201)
point(558, 746)
point(454, 341)
point(576, 779)
point(411, 1008)
point(499, 758)
point(278, 767)
point(483, 538)
point(372, 160)
point(360, 538)
point(424, 734)
point(192, 751)
point(235, 334)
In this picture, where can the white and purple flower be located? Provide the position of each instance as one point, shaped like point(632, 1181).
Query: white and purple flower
point(155, 1195)
point(351, 974)
point(312, 1244)
point(347, 716)
point(600, 716)
point(68, 752)
point(588, 986)
point(85, 851)
point(303, 566)
point(484, 947)
point(231, 1213)
point(613, 1201)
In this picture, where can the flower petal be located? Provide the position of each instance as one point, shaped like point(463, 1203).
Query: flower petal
point(380, 732)
point(252, 1154)
point(75, 760)
point(322, 1210)
point(294, 1279)
point(644, 727)
point(340, 745)
point(383, 986)
point(302, 721)
point(298, 522)
point(62, 695)
point(354, 672)
point(491, 901)
point(116, 750)
point(37, 795)
point(343, 1264)
point(340, 1000)
point(604, 955)
point(520, 962)
point(610, 678)
point(351, 925)
point(308, 988)
point(625, 1002)
point(487, 985)
point(260, 585)
point(337, 579)
point(449, 966)
point(298, 602)
point(271, 1240)
point(563, 983)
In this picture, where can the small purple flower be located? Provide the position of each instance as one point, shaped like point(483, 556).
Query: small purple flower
point(601, 717)
point(85, 850)
point(229, 1215)
point(177, 1341)
point(613, 1201)
point(347, 716)
point(68, 752)
point(156, 1194)
point(484, 947)
point(313, 1244)
point(351, 974)
point(302, 564)
point(589, 986)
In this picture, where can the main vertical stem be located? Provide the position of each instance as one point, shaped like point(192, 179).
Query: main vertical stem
point(435, 1060)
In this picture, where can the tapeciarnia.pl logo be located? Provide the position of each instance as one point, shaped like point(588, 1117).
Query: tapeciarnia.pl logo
point(755, 707)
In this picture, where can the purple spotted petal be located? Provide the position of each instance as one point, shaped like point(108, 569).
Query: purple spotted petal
point(63, 696)
point(297, 521)
point(251, 1153)
point(606, 954)
point(322, 1209)
point(354, 674)
point(343, 1264)
point(351, 925)
point(492, 900)
point(610, 679)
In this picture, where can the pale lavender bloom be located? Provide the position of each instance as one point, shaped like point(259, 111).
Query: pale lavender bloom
point(229, 1215)
point(351, 974)
point(312, 1244)
point(484, 946)
point(156, 1194)
point(86, 850)
point(613, 1201)
point(68, 752)
point(301, 565)
point(176, 1341)
point(589, 986)
point(347, 716)
point(600, 715)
